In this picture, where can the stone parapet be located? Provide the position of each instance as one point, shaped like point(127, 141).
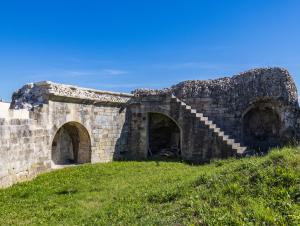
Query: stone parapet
point(35, 94)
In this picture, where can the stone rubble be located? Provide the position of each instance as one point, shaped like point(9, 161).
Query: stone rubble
point(267, 80)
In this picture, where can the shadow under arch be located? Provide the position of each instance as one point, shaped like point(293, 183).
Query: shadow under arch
point(261, 125)
point(71, 144)
point(164, 136)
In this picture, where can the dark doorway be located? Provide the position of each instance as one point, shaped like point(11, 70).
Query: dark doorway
point(71, 145)
point(164, 137)
point(261, 127)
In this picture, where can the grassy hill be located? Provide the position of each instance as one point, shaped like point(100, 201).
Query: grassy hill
point(249, 191)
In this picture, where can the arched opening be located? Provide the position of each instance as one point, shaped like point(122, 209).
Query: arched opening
point(71, 145)
point(164, 137)
point(261, 128)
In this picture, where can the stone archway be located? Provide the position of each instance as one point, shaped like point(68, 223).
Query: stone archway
point(261, 128)
point(164, 137)
point(71, 145)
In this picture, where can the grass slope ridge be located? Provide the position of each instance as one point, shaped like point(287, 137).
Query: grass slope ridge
point(250, 191)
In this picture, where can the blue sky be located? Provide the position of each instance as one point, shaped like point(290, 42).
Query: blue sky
point(123, 45)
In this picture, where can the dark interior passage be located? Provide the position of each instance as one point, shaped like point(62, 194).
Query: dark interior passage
point(261, 128)
point(71, 145)
point(164, 136)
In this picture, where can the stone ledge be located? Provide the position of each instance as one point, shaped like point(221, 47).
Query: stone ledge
point(35, 94)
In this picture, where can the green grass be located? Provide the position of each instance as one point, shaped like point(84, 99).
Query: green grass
point(249, 191)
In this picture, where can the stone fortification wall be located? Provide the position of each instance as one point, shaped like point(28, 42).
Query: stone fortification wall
point(227, 100)
point(23, 138)
point(7, 112)
point(39, 111)
point(197, 142)
point(48, 124)
point(238, 91)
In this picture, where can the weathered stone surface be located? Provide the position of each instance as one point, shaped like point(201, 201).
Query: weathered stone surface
point(226, 101)
point(31, 129)
point(49, 124)
point(35, 94)
point(261, 82)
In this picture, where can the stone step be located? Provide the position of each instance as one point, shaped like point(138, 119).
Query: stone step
point(213, 126)
point(225, 137)
point(231, 142)
point(204, 118)
point(217, 130)
point(193, 111)
point(199, 115)
point(206, 122)
point(240, 150)
point(236, 144)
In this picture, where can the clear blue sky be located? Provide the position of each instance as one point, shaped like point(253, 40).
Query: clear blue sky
point(122, 45)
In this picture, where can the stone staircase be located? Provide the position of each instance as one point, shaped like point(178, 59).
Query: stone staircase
point(230, 142)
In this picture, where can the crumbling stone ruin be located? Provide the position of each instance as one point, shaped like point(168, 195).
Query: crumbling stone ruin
point(49, 125)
